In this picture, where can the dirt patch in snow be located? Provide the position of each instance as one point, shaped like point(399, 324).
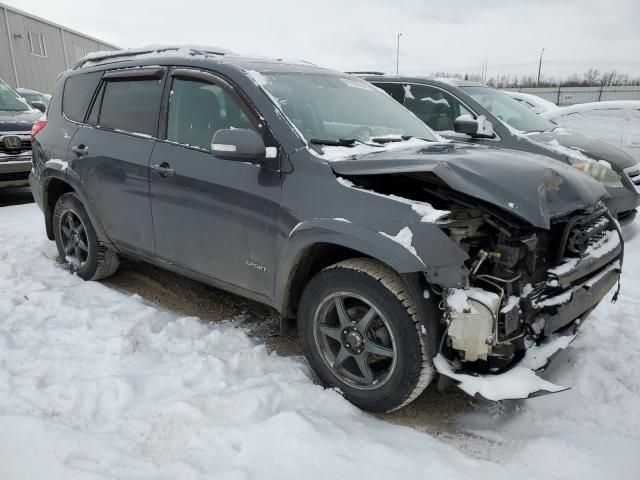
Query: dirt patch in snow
point(432, 412)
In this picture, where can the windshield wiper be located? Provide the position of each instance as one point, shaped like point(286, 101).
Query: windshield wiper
point(340, 142)
point(391, 139)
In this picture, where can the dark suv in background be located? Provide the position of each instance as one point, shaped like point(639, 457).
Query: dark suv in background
point(17, 118)
point(473, 112)
point(313, 192)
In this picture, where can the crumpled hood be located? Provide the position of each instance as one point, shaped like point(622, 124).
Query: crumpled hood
point(591, 147)
point(532, 187)
point(18, 121)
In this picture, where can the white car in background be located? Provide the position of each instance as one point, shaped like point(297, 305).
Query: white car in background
point(616, 122)
point(533, 102)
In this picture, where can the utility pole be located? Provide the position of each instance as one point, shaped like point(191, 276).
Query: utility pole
point(539, 67)
point(398, 55)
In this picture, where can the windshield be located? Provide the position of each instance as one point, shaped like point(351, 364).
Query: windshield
point(10, 101)
point(509, 110)
point(331, 107)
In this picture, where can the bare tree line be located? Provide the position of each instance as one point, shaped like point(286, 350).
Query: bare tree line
point(591, 78)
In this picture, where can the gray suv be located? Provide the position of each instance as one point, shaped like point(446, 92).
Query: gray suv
point(396, 254)
point(473, 112)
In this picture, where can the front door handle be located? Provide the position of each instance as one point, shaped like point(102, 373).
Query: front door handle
point(80, 150)
point(164, 170)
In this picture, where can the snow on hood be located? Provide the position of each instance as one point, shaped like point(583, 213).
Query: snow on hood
point(529, 186)
point(332, 153)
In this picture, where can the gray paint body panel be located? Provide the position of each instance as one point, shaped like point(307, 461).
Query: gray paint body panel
point(214, 214)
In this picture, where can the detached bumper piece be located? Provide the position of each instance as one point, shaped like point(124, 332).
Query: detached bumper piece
point(519, 382)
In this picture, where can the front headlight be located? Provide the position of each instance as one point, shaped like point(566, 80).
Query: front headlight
point(600, 172)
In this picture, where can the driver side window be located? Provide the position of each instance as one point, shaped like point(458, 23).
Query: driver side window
point(433, 106)
point(197, 110)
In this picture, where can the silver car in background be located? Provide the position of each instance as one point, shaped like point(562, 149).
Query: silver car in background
point(616, 123)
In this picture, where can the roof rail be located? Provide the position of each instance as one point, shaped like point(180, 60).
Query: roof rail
point(97, 57)
point(366, 73)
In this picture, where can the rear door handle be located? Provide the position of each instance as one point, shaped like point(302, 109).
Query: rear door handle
point(80, 150)
point(164, 170)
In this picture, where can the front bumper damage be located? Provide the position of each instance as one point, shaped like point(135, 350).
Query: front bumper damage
point(550, 313)
point(521, 381)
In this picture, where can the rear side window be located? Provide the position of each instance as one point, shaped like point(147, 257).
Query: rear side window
point(131, 105)
point(77, 94)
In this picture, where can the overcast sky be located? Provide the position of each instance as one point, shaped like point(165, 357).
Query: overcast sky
point(356, 35)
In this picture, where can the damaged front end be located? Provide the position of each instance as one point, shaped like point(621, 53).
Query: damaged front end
point(540, 252)
point(526, 287)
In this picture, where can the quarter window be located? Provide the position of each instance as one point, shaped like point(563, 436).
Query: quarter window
point(131, 105)
point(37, 46)
point(433, 106)
point(77, 94)
point(197, 110)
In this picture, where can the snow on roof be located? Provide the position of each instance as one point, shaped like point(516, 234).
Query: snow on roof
point(94, 58)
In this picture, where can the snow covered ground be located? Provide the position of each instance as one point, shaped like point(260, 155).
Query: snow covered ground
point(97, 384)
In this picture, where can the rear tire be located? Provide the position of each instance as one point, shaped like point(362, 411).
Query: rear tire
point(79, 247)
point(359, 331)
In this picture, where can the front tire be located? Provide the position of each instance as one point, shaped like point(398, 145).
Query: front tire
point(79, 247)
point(359, 331)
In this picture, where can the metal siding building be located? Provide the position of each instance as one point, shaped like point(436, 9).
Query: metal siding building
point(34, 51)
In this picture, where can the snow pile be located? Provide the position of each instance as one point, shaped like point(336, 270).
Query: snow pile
point(56, 161)
point(512, 302)
point(257, 77)
point(407, 92)
point(152, 51)
point(332, 153)
point(537, 357)
point(519, 382)
point(457, 300)
point(99, 384)
point(404, 237)
point(443, 101)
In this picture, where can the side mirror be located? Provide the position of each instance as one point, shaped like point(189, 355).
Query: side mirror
point(39, 105)
point(474, 127)
point(240, 144)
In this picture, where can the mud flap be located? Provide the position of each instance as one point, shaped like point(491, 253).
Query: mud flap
point(519, 382)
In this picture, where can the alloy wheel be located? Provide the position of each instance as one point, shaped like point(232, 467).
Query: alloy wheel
point(355, 340)
point(74, 239)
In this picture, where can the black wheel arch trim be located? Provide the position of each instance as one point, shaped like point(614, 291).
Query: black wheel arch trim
point(447, 271)
point(55, 171)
